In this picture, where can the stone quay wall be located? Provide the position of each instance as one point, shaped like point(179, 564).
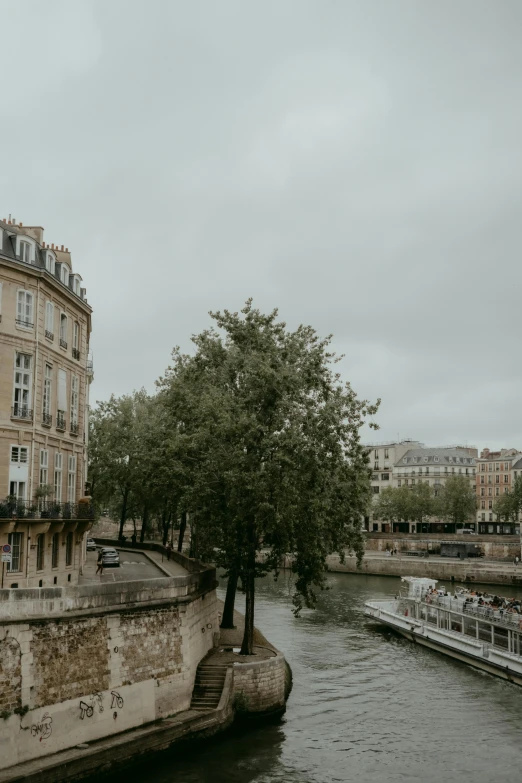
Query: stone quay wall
point(494, 547)
point(259, 687)
point(87, 662)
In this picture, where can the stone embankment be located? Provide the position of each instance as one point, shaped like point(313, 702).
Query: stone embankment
point(471, 570)
point(101, 674)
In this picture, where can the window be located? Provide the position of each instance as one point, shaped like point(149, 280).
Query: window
point(25, 251)
point(58, 462)
point(482, 491)
point(412, 482)
point(490, 504)
point(40, 552)
point(63, 330)
point(22, 386)
point(490, 479)
point(49, 263)
point(405, 482)
point(497, 465)
point(497, 490)
point(24, 309)
point(375, 490)
point(17, 489)
point(386, 453)
point(506, 490)
point(49, 320)
point(490, 491)
point(482, 504)
point(76, 340)
point(399, 483)
point(385, 476)
point(46, 399)
point(376, 454)
point(65, 275)
point(55, 550)
point(483, 517)
point(482, 479)
point(497, 479)
point(506, 478)
point(71, 480)
point(490, 466)
point(483, 467)
point(75, 384)
point(69, 549)
point(435, 459)
point(44, 465)
point(17, 542)
point(62, 399)
point(19, 455)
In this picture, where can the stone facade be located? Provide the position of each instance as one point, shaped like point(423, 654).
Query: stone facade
point(45, 324)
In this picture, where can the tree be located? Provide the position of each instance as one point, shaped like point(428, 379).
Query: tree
point(506, 508)
point(457, 502)
point(393, 504)
point(272, 437)
point(422, 502)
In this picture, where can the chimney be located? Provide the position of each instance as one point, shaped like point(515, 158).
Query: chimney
point(62, 248)
point(66, 249)
point(52, 246)
point(20, 224)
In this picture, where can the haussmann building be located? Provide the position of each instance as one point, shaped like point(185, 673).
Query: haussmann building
point(45, 323)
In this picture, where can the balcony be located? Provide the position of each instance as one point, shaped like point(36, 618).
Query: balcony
point(60, 421)
point(76, 354)
point(13, 508)
point(49, 335)
point(63, 343)
point(21, 412)
point(74, 428)
point(47, 419)
point(24, 323)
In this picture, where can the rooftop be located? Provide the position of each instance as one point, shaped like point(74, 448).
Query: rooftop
point(440, 456)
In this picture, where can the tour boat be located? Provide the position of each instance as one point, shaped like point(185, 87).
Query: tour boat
point(460, 625)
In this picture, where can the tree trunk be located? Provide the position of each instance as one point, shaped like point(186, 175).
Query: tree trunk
point(123, 516)
point(249, 580)
point(227, 621)
point(144, 522)
point(182, 528)
point(193, 537)
point(164, 527)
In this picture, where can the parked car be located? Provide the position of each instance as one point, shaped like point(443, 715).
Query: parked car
point(467, 531)
point(91, 545)
point(110, 557)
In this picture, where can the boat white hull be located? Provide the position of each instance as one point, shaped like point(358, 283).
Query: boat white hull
point(435, 639)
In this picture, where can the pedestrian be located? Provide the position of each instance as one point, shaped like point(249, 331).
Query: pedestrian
point(516, 560)
point(133, 539)
point(169, 550)
point(99, 567)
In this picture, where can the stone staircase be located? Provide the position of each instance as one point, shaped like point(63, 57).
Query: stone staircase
point(210, 679)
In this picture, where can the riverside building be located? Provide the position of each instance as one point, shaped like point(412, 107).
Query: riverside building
point(45, 324)
point(496, 471)
point(382, 457)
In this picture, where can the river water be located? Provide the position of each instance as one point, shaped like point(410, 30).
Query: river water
point(366, 705)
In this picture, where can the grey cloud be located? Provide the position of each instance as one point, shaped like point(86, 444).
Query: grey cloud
point(357, 165)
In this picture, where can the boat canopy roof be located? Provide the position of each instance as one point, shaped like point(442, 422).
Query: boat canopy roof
point(418, 585)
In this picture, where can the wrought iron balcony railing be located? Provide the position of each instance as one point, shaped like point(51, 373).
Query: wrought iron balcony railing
point(13, 508)
point(63, 343)
point(47, 419)
point(24, 322)
point(21, 412)
point(60, 421)
point(49, 335)
point(76, 353)
point(74, 428)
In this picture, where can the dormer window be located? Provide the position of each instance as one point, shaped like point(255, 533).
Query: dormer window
point(25, 252)
point(65, 275)
point(49, 263)
point(435, 459)
point(405, 460)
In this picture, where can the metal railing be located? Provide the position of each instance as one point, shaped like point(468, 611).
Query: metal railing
point(63, 343)
point(21, 412)
point(60, 421)
point(75, 353)
point(24, 322)
point(47, 419)
point(49, 335)
point(14, 508)
point(74, 428)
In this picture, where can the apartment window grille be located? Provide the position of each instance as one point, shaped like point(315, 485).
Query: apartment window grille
point(17, 542)
point(63, 330)
point(24, 309)
point(22, 385)
point(46, 403)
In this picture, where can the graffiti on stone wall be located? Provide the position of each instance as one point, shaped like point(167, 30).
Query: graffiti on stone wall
point(95, 702)
point(87, 708)
point(117, 700)
point(43, 729)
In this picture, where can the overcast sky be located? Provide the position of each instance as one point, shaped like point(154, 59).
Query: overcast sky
point(356, 164)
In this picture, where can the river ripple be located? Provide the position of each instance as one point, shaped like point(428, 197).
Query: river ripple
point(366, 705)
